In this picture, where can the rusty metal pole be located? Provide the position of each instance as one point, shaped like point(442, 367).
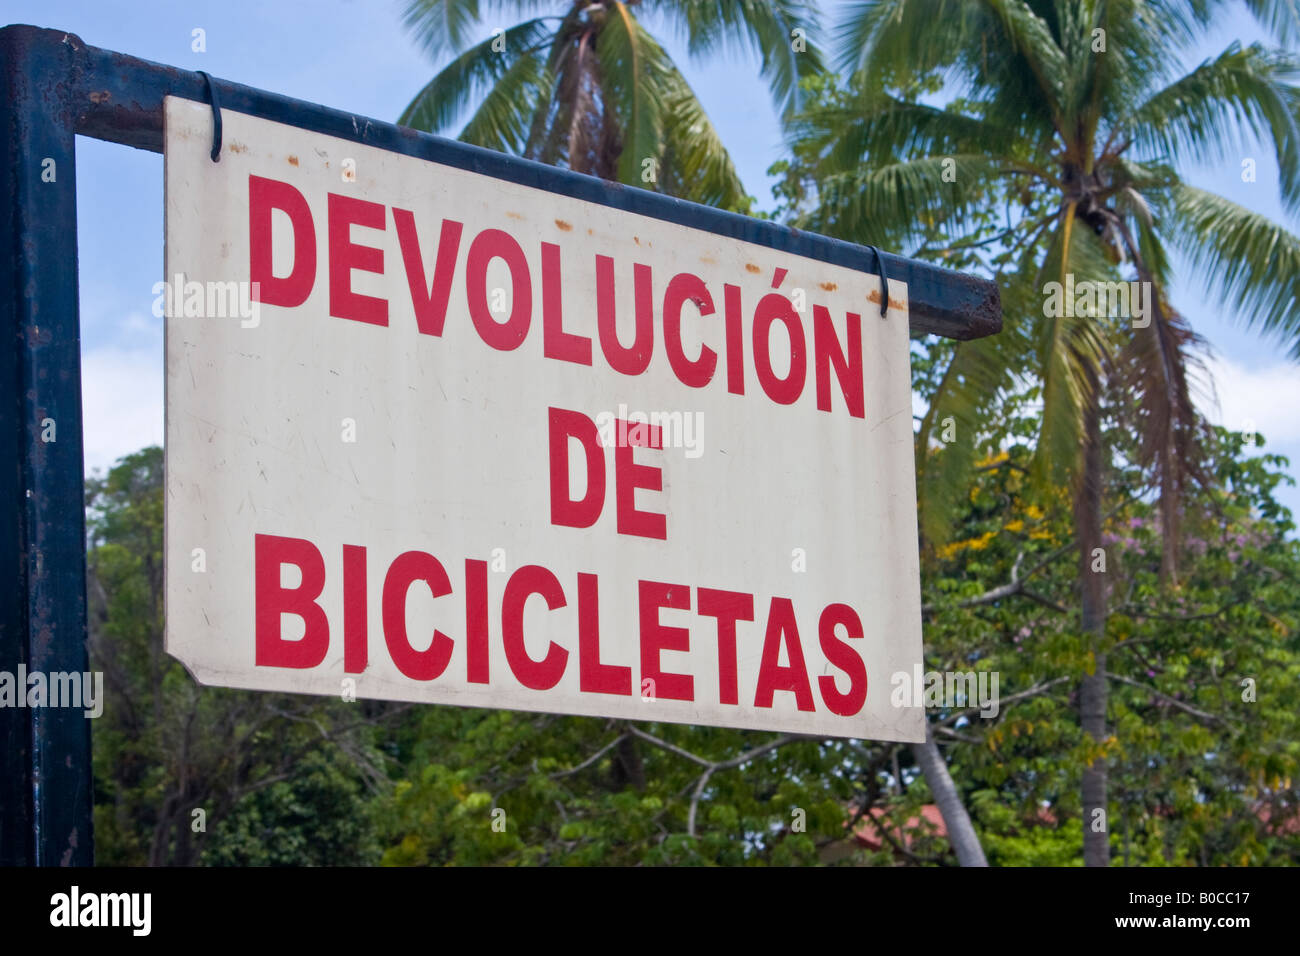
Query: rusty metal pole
point(45, 772)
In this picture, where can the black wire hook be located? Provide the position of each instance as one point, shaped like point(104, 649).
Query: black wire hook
point(884, 281)
point(216, 116)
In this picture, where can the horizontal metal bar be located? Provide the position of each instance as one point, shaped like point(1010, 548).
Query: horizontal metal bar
point(119, 98)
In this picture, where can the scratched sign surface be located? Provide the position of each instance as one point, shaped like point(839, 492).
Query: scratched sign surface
point(435, 436)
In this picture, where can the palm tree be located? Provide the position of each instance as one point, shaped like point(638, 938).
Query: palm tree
point(590, 89)
point(1079, 108)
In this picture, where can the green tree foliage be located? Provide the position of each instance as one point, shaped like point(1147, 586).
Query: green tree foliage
point(1203, 750)
point(165, 747)
point(317, 817)
point(558, 792)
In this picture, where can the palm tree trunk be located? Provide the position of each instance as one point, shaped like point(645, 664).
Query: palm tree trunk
point(1093, 689)
point(961, 834)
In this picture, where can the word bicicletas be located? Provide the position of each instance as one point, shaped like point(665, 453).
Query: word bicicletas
point(478, 616)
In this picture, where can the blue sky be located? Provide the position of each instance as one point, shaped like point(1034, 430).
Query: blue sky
point(356, 56)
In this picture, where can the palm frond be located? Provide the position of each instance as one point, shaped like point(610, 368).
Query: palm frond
point(696, 165)
point(1029, 35)
point(1251, 264)
point(1213, 106)
point(900, 37)
point(503, 119)
point(635, 72)
point(1153, 369)
point(1072, 350)
point(1281, 17)
point(982, 375)
point(765, 28)
point(979, 373)
point(877, 126)
point(476, 72)
point(447, 25)
point(902, 199)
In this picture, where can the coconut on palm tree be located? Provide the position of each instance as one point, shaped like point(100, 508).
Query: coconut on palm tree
point(1083, 111)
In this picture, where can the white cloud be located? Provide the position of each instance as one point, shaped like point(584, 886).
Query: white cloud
point(1265, 397)
point(122, 402)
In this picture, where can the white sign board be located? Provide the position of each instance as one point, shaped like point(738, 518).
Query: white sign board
point(435, 436)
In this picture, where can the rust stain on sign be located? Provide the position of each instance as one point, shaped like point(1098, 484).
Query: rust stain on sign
point(874, 296)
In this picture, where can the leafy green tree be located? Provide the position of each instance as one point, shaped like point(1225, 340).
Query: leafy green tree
point(1203, 754)
point(589, 88)
point(1080, 107)
point(517, 789)
point(318, 817)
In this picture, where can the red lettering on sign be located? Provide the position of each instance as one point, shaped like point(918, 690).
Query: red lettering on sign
point(781, 628)
point(565, 425)
point(728, 607)
point(839, 626)
point(405, 570)
point(735, 339)
point(429, 301)
point(557, 343)
point(774, 307)
point(494, 244)
point(529, 580)
point(593, 676)
point(845, 658)
point(356, 648)
point(629, 476)
point(272, 601)
point(656, 637)
point(685, 287)
point(346, 255)
point(635, 358)
point(827, 351)
point(264, 195)
point(836, 360)
point(476, 622)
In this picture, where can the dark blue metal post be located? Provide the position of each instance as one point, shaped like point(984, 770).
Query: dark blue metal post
point(45, 774)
